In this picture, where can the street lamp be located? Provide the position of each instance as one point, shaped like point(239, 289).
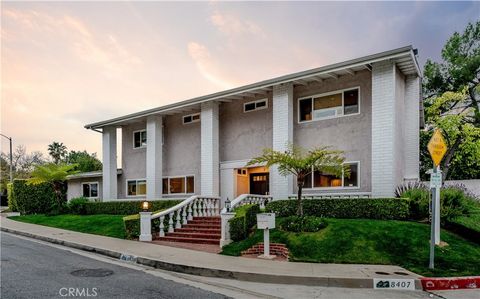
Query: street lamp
point(11, 157)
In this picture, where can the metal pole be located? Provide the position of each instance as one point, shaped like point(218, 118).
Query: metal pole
point(11, 161)
point(432, 225)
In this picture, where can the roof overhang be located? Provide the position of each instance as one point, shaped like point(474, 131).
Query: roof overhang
point(404, 58)
point(90, 174)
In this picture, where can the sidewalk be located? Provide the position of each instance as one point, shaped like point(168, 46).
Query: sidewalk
point(214, 265)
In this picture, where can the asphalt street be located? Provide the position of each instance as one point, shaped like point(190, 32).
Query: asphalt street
point(33, 270)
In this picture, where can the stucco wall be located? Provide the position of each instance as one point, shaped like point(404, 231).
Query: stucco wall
point(181, 148)
point(351, 133)
point(74, 187)
point(133, 159)
point(244, 135)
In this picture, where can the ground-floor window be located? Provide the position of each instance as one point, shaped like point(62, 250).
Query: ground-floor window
point(136, 187)
point(319, 179)
point(179, 185)
point(90, 190)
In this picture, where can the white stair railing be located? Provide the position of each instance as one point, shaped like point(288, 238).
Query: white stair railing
point(180, 214)
point(243, 199)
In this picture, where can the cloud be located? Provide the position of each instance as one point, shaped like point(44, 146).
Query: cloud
point(232, 25)
point(203, 60)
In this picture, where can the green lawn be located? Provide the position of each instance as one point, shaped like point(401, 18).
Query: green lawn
point(105, 225)
point(375, 242)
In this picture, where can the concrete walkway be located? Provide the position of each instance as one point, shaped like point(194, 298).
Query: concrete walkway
point(213, 265)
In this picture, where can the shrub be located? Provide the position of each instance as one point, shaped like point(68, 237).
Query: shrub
point(401, 189)
point(419, 202)
point(34, 199)
point(302, 224)
point(368, 208)
point(78, 205)
point(244, 221)
point(126, 207)
point(12, 204)
point(132, 226)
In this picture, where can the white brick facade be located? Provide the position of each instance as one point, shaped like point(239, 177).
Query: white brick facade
point(281, 187)
point(412, 130)
point(109, 156)
point(154, 157)
point(383, 129)
point(210, 169)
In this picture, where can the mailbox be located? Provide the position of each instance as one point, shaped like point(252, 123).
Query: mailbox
point(266, 220)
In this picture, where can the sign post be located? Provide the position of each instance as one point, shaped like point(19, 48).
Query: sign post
point(266, 221)
point(437, 149)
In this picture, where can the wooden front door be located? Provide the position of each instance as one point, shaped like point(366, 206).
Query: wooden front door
point(259, 183)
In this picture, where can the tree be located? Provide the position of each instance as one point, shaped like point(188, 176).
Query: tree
point(54, 174)
point(462, 137)
point(23, 163)
point(57, 151)
point(85, 162)
point(452, 103)
point(300, 162)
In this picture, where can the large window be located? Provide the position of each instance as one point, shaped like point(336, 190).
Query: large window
point(179, 185)
point(329, 105)
point(319, 179)
point(136, 187)
point(139, 139)
point(90, 190)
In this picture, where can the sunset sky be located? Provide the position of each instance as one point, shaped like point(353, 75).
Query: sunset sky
point(67, 64)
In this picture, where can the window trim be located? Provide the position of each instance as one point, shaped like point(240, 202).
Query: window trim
point(327, 94)
point(136, 182)
point(89, 183)
point(191, 115)
point(343, 180)
point(185, 181)
point(133, 138)
point(255, 102)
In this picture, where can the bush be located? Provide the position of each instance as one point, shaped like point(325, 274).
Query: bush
point(12, 204)
point(419, 202)
point(34, 199)
point(401, 189)
point(126, 207)
point(245, 220)
point(368, 208)
point(132, 226)
point(302, 224)
point(78, 205)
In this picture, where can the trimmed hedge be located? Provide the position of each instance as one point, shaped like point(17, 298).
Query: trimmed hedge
point(368, 208)
point(12, 204)
point(33, 199)
point(126, 207)
point(78, 205)
point(299, 224)
point(245, 219)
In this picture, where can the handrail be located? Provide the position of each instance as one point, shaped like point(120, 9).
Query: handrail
point(181, 205)
point(244, 197)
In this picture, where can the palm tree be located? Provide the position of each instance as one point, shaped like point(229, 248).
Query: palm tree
point(300, 162)
point(58, 151)
point(53, 174)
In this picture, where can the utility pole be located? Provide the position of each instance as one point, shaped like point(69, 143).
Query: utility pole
point(11, 157)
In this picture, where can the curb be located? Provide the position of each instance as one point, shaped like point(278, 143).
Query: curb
point(340, 282)
point(450, 283)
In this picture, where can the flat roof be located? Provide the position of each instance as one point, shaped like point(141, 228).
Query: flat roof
point(404, 57)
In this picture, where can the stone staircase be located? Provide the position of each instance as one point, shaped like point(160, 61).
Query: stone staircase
point(200, 230)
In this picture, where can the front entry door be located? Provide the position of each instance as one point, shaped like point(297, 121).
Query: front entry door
point(259, 183)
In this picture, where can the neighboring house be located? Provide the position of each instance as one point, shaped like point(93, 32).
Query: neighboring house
point(368, 107)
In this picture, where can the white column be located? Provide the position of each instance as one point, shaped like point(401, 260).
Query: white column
point(210, 169)
point(280, 186)
point(383, 129)
point(145, 226)
point(412, 128)
point(225, 232)
point(154, 157)
point(109, 156)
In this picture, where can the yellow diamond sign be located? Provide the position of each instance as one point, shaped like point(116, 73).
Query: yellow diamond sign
point(437, 147)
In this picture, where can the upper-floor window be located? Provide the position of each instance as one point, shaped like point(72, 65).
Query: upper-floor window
point(139, 139)
point(191, 118)
point(255, 105)
point(319, 179)
point(90, 190)
point(329, 105)
point(179, 185)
